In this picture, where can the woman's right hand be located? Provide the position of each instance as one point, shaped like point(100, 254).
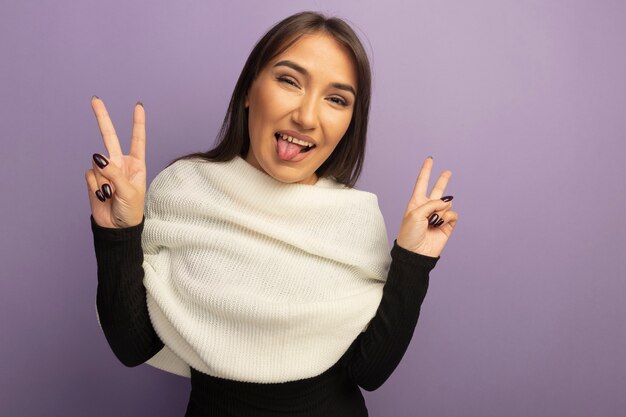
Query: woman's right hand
point(117, 191)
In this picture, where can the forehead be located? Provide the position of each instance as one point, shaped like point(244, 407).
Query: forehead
point(322, 56)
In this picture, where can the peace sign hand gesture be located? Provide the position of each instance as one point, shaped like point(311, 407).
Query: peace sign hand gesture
point(117, 185)
point(428, 222)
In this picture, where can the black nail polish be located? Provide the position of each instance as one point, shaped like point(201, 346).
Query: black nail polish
point(447, 198)
point(100, 160)
point(95, 96)
point(100, 195)
point(433, 219)
point(439, 223)
point(106, 189)
point(140, 103)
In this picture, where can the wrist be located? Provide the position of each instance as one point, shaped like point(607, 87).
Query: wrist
point(402, 254)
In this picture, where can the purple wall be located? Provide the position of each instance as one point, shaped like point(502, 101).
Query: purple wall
point(523, 101)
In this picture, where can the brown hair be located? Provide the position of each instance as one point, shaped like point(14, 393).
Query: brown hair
point(346, 161)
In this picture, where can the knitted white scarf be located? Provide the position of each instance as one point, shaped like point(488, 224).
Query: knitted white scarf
point(256, 280)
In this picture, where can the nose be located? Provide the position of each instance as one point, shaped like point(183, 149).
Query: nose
point(305, 115)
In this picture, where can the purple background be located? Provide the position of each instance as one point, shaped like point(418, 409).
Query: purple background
point(523, 101)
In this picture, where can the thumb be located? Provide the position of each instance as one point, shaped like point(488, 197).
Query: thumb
point(428, 208)
point(114, 174)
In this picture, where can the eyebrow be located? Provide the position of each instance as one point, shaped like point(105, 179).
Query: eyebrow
point(303, 71)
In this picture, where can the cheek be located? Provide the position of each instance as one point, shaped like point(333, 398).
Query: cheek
point(264, 108)
point(340, 125)
point(269, 98)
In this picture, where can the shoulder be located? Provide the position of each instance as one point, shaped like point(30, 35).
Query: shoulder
point(177, 173)
point(171, 183)
point(360, 196)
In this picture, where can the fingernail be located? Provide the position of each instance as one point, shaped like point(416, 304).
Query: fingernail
point(106, 189)
point(433, 219)
point(439, 223)
point(95, 96)
point(140, 103)
point(431, 158)
point(447, 198)
point(100, 196)
point(100, 160)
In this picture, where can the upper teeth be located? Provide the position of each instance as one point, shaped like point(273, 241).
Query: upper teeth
point(294, 140)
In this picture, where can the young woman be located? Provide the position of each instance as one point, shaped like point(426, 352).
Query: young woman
point(256, 268)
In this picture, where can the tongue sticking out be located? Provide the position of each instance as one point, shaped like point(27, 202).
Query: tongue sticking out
point(287, 150)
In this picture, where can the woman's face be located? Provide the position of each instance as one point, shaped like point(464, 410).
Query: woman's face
point(307, 92)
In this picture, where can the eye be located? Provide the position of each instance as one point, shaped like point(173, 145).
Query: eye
point(288, 80)
point(338, 100)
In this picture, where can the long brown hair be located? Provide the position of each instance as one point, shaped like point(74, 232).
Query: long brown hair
point(346, 161)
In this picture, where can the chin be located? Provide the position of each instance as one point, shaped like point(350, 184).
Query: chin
point(290, 175)
point(292, 179)
point(279, 170)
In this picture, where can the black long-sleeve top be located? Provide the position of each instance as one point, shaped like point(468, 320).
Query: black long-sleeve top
point(368, 362)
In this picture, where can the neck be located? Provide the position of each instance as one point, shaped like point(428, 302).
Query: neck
point(250, 159)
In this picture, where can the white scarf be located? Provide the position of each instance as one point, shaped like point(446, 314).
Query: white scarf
point(255, 280)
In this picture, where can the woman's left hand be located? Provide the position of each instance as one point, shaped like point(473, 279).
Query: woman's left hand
point(416, 233)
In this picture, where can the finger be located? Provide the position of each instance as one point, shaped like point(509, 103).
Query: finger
point(138, 136)
point(113, 175)
point(107, 130)
point(421, 184)
point(440, 213)
point(449, 222)
point(426, 210)
point(95, 195)
point(433, 206)
point(440, 185)
point(103, 184)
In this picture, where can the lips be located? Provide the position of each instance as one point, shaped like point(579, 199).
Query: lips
point(298, 135)
point(304, 149)
point(286, 152)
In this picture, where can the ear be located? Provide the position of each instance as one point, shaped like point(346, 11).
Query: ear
point(246, 103)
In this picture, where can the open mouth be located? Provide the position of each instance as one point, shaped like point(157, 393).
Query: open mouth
point(305, 148)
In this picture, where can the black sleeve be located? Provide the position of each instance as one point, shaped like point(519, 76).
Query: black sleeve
point(121, 295)
point(377, 351)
